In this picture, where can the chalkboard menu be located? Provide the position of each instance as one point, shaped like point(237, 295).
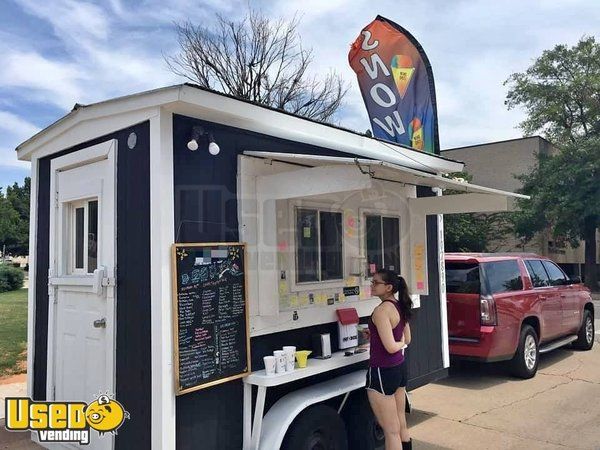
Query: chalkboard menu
point(212, 342)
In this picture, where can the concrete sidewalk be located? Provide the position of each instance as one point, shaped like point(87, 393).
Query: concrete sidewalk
point(482, 407)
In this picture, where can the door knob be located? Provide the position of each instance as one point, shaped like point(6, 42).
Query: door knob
point(100, 323)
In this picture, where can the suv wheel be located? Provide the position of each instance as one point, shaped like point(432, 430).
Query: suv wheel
point(525, 362)
point(585, 337)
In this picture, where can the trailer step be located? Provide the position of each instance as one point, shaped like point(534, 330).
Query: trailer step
point(556, 344)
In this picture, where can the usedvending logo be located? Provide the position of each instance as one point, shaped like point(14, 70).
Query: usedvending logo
point(65, 421)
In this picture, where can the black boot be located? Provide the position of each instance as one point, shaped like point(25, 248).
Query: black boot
point(407, 445)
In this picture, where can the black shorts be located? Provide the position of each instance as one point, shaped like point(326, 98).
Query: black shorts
point(386, 380)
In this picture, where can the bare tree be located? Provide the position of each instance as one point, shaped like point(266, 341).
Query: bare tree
point(257, 59)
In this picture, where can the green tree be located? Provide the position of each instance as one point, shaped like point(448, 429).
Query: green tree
point(9, 221)
point(18, 197)
point(475, 232)
point(565, 198)
point(560, 93)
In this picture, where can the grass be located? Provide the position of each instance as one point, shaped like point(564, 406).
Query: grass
point(13, 332)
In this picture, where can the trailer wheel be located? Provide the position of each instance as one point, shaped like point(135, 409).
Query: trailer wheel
point(364, 433)
point(318, 427)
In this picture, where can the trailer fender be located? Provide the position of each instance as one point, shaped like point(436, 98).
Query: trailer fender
point(281, 415)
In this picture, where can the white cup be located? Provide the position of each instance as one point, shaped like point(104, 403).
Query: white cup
point(269, 364)
point(290, 354)
point(280, 361)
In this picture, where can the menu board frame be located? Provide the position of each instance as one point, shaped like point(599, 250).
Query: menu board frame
point(175, 303)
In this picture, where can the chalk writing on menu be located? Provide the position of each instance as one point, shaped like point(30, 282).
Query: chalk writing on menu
point(212, 336)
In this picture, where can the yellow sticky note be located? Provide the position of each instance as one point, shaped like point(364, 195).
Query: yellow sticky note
point(365, 292)
point(283, 287)
point(293, 300)
point(321, 299)
point(284, 301)
point(351, 281)
point(303, 299)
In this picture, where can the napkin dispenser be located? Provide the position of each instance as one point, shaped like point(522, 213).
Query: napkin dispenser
point(347, 326)
point(321, 345)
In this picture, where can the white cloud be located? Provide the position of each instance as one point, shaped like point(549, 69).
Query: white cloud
point(13, 130)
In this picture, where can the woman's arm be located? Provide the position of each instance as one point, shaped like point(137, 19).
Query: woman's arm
point(384, 328)
point(406, 336)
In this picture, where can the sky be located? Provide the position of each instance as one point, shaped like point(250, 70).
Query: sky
point(56, 53)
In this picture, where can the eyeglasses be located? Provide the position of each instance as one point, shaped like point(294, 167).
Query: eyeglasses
point(378, 282)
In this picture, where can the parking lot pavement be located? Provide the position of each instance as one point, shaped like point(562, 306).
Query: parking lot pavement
point(481, 406)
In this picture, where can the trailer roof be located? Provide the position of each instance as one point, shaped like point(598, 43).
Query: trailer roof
point(214, 106)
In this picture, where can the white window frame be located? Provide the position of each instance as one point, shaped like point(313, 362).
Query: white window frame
point(72, 233)
point(295, 286)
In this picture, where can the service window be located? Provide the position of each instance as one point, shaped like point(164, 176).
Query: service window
point(462, 278)
point(84, 237)
point(382, 242)
point(537, 273)
point(556, 275)
point(319, 246)
point(502, 276)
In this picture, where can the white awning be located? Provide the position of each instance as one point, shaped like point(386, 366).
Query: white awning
point(381, 170)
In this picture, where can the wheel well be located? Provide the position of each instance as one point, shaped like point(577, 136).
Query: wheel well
point(590, 307)
point(533, 322)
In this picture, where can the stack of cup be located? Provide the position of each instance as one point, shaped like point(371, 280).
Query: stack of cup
point(280, 361)
point(290, 355)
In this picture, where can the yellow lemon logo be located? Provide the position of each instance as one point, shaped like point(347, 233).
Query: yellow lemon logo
point(105, 414)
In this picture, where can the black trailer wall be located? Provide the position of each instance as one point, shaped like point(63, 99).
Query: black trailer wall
point(133, 346)
point(206, 211)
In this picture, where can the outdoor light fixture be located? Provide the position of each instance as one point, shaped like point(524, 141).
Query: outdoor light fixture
point(197, 132)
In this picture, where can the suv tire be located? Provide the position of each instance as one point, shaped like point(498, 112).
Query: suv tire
point(585, 336)
point(525, 362)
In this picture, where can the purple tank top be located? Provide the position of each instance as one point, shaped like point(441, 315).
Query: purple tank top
point(379, 355)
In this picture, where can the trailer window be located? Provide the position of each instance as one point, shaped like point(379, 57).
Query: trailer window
point(319, 237)
point(382, 236)
point(462, 278)
point(84, 237)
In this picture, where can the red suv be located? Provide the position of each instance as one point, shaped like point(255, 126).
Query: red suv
point(514, 307)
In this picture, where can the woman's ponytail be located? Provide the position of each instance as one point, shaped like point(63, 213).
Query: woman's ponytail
point(399, 285)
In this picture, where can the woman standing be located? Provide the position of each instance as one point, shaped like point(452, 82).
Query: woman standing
point(387, 375)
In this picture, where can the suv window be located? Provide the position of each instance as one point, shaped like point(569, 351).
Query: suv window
point(557, 276)
point(462, 278)
point(502, 276)
point(538, 274)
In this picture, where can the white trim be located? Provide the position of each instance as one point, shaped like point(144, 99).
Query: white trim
point(31, 308)
point(161, 235)
point(442, 286)
point(82, 128)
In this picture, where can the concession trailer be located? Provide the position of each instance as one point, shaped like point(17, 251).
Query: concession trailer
point(180, 235)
